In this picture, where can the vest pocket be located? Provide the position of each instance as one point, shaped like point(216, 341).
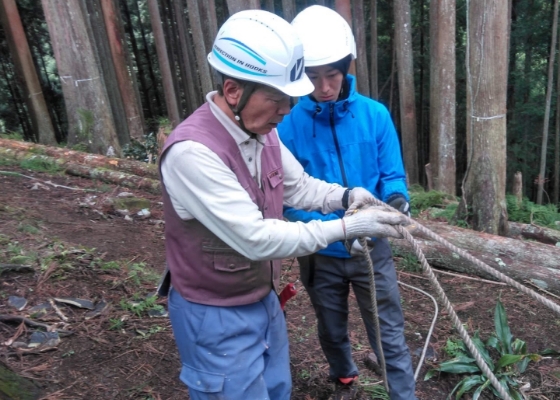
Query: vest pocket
point(276, 177)
point(231, 263)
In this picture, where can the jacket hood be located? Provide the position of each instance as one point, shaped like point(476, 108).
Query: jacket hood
point(341, 107)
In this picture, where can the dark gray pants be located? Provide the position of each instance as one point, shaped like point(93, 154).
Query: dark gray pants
point(327, 281)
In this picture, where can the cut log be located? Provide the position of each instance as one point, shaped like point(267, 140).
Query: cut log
point(534, 232)
point(86, 171)
point(78, 157)
point(520, 260)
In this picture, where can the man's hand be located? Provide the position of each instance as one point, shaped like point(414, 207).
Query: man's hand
point(373, 222)
point(399, 202)
point(360, 196)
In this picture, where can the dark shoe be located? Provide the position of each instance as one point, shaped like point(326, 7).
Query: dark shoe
point(370, 361)
point(345, 391)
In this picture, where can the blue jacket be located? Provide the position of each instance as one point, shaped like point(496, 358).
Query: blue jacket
point(351, 142)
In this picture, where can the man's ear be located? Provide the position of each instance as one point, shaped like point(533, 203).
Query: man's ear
point(232, 92)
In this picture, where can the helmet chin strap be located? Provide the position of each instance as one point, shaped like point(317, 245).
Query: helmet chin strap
point(248, 90)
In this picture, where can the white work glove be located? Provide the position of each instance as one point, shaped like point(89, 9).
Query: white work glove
point(355, 248)
point(359, 195)
point(373, 222)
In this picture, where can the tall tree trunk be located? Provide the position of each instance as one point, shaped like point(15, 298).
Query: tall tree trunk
point(240, 5)
point(191, 84)
point(27, 74)
point(168, 20)
point(542, 171)
point(442, 95)
point(484, 185)
point(129, 93)
point(17, 104)
point(199, 47)
point(374, 70)
point(100, 44)
point(289, 10)
point(269, 5)
point(145, 92)
point(361, 61)
point(149, 60)
point(207, 9)
point(556, 193)
point(90, 119)
point(403, 44)
point(344, 8)
point(163, 58)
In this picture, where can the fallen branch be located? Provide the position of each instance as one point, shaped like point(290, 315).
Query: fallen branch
point(30, 322)
point(16, 267)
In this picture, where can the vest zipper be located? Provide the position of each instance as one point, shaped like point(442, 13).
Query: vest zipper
point(335, 137)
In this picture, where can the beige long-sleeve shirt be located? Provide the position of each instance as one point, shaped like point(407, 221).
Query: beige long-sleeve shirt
point(201, 186)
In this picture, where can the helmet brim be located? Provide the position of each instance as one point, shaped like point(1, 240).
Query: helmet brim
point(299, 88)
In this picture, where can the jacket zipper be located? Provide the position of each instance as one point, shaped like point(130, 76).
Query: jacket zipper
point(333, 129)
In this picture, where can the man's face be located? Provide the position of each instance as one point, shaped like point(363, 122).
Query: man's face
point(264, 110)
point(327, 81)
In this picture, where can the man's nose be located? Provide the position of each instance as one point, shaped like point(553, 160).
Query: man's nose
point(284, 107)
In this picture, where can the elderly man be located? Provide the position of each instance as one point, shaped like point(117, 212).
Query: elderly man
point(226, 177)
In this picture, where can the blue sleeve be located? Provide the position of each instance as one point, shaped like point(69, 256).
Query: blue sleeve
point(293, 215)
point(392, 174)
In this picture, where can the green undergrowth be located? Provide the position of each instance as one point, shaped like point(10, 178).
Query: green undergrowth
point(442, 205)
point(40, 165)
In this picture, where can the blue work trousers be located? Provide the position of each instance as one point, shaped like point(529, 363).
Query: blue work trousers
point(232, 353)
point(327, 281)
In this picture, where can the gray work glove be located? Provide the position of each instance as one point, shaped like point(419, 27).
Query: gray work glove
point(373, 222)
point(399, 202)
point(359, 195)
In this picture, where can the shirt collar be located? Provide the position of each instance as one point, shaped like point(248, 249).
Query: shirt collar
point(238, 134)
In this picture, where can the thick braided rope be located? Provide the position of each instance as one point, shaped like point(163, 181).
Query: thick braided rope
point(485, 267)
point(372, 293)
point(456, 321)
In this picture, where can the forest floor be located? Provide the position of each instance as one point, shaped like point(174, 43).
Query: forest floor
point(80, 247)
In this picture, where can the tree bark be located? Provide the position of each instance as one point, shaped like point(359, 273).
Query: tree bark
point(520, 260)
point(199, 47)
point(374, 66)
point(289, 10)
point(90, 119)
point(517, 189)
point(542, 171)
point(403, 44)
point(191, 83)
point(344, 8)
point(240, 5)
point(165, 68)
point(117, 44)
point(534, 232)
point(360, 36)
point(442, 95)
point(27, 74)
point(100, 44)
point(89, 171)
point(484, 185)
point(18, 150)
point(556, 183)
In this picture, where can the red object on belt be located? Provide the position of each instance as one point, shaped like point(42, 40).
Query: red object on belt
point(287, 293)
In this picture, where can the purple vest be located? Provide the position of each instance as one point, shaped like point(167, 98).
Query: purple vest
point(203, 268)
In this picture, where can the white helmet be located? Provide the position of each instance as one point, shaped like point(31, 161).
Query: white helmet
point(325, 34)
point(258, 46)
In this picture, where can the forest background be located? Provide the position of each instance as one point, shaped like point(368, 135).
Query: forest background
point(468, 83)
